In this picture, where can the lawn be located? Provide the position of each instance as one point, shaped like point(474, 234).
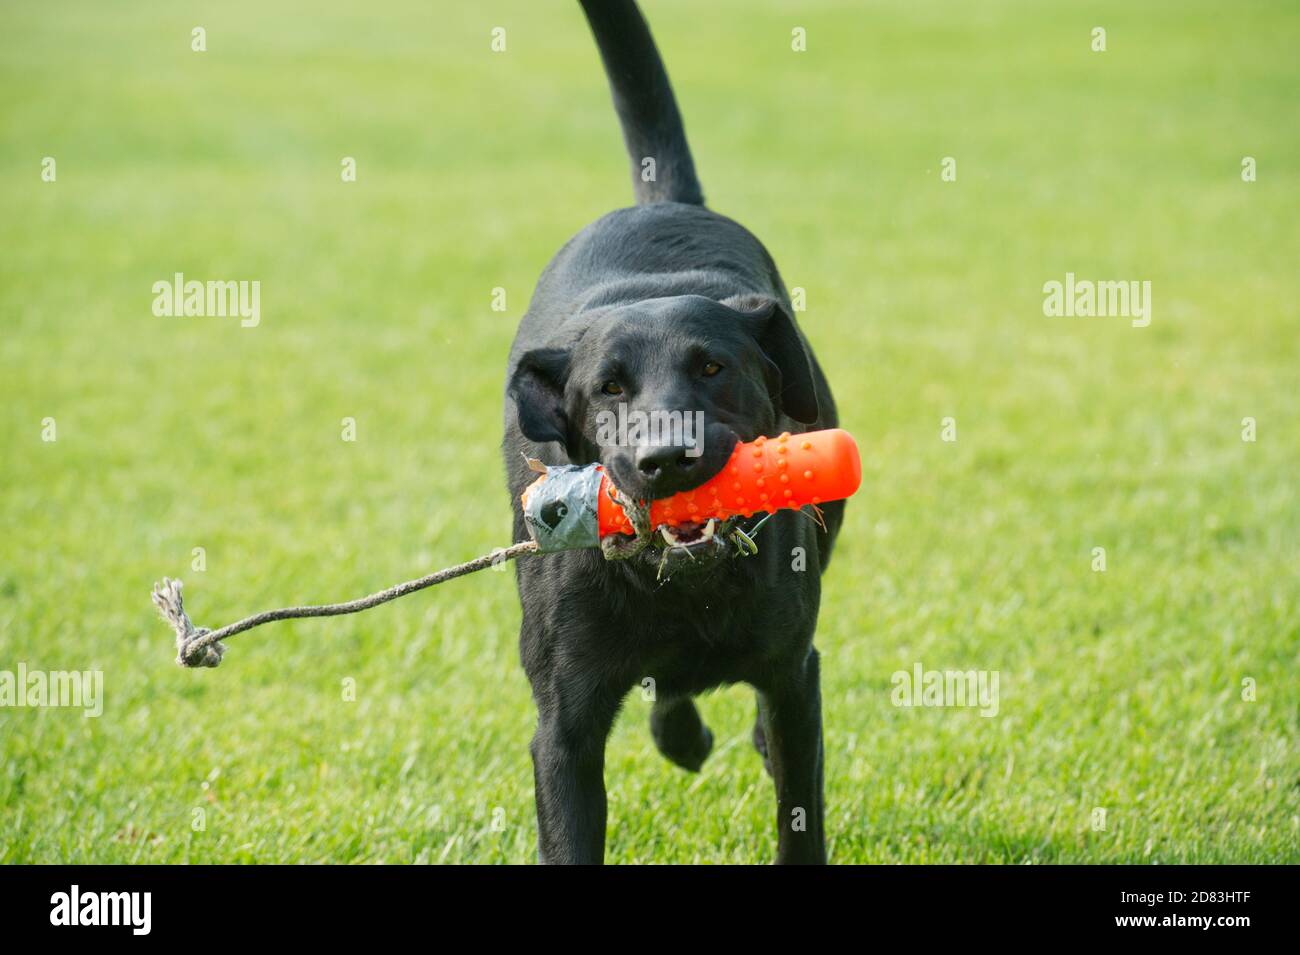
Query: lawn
point(1161, 691)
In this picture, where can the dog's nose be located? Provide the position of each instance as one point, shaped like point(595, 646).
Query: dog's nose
point(658, 462)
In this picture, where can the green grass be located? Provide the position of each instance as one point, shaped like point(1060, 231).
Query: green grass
point(1119, 690)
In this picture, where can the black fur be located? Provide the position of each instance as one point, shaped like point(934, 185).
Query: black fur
point(646, 297)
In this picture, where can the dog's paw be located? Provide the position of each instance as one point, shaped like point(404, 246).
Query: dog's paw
point(680, 734)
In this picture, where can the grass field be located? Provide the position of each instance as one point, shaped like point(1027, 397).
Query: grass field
point(1120, 690)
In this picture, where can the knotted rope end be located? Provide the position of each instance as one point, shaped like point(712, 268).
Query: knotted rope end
point(167, 598)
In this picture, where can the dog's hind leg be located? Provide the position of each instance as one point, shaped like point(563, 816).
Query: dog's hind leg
point(679, 732)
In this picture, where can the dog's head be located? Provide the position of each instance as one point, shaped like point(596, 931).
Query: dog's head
point(660, 391)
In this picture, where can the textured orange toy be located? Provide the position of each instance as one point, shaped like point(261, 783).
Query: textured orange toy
point(574, 506)
point(762, 475)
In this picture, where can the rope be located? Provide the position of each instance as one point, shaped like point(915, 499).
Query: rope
point(620, 546)
point(200, 647)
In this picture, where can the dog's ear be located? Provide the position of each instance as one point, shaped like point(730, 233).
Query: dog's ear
point(793, 388)
point(537, 389)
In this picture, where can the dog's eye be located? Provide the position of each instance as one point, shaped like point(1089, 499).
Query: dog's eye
point(612, 388)
point(711, 369)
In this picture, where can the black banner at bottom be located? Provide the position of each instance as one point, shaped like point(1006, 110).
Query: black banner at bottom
point(1223, 905)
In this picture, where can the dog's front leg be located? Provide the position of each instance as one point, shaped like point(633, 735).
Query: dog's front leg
point(569, 773)
point(792, 715)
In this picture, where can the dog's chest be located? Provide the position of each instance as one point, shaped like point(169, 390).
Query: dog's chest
point(692, 646)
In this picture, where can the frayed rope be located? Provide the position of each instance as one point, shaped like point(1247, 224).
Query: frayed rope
point(621, 546)
point(201, 647)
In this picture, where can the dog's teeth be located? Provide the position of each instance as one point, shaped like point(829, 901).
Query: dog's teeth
point(668, 534)
point(708, 528)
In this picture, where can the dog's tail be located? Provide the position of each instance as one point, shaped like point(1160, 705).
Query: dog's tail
point(662, 170)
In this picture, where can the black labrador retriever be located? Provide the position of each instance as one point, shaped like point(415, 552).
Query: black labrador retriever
point(665, 307)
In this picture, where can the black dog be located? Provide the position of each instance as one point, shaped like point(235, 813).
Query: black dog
point(665, 307)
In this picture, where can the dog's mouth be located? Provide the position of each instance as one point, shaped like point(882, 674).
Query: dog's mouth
point(686, 547)
point(689, 549)
point(689, 535)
